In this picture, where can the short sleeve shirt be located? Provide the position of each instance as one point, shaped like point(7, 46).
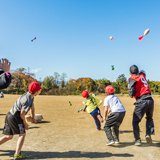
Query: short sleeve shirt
point(24, 103)
point(114, 103)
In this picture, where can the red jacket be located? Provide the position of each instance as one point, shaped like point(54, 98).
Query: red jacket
point(141, 86)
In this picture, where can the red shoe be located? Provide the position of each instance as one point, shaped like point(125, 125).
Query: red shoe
point(99, 129)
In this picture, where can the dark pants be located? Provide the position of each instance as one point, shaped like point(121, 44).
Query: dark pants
point(142, 107)
point(114, 120)
point(94, 114)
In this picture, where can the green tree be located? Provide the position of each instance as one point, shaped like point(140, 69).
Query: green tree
point(159, 89)
point(101, 85)
point(122, 83)
point(49, 83)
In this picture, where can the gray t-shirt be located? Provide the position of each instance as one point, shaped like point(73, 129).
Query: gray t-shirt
point(23, 103)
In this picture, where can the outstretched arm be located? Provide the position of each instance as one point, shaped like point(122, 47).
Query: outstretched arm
point(84, 109)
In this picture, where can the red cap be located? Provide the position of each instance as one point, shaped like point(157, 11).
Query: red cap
point(109, 89)
point(34, 87)
point(85, 94)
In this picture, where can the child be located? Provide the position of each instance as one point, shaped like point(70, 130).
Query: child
point(112, 104)
point(2, 94)
point(139, 89)
point(91, 106)
point(15, 122)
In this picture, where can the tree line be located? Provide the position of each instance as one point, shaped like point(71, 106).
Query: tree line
point(57, 84)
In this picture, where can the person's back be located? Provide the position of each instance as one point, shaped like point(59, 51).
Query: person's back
point(139, 89)
point(140, 85)
point(112, 103)
point(23, 103)
point(91, 104)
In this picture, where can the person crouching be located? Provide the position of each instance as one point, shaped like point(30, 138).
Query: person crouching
point(112, 104)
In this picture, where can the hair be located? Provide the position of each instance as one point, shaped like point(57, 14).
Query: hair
point(134, 69)
point(110, 94)
point(32, 92)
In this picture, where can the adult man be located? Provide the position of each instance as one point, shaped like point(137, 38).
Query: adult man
point(139, 89)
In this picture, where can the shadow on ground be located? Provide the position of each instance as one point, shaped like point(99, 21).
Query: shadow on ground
point(81, 118)
point(44, 122)
point(125, 131)
point(69, 154)
point(33, 127)
point(126, 144)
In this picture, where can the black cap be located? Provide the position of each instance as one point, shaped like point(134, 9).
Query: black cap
point(134, 69)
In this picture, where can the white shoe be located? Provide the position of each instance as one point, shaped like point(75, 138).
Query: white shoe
point(138, 142)
point(116, 142)
point(110, 143)
point(148, 139)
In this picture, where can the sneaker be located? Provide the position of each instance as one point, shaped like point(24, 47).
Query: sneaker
point(148, 139)
point(19, 156)
point(110, 143)
point(98, 129)
point(138, 142)
point(116, 142)
point(100, 118)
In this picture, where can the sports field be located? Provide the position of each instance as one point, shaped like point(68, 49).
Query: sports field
point(68, 135)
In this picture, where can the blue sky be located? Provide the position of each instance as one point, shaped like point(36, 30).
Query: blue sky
point(73, 37)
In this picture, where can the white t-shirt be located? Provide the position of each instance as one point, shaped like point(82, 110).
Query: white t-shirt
point(114, 103)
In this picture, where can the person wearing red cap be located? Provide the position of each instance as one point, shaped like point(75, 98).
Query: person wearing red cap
point(91, 104)
point(114, 119)
point(15, 122)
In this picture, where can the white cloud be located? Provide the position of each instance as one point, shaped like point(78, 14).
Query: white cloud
point(35, 70)
point(108, 79)
point(112, 80)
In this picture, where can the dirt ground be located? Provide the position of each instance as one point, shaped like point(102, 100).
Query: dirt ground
point(65, 134)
